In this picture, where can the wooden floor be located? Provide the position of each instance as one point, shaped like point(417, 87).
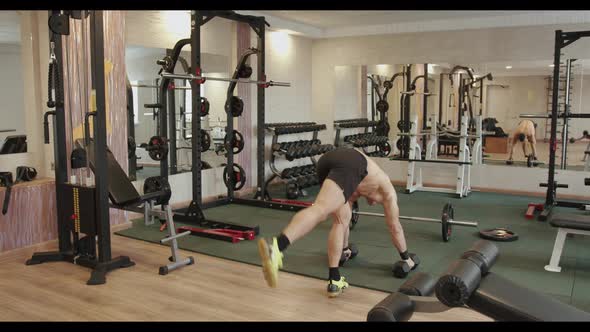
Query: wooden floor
point(213, 289)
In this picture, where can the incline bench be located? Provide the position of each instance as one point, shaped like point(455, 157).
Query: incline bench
point(124, 196)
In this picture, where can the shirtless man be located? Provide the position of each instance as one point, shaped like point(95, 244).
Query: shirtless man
point(345, 175)
point(525, 130)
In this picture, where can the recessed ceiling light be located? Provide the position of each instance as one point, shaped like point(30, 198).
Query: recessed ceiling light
point(508, 67)
point(551, 65)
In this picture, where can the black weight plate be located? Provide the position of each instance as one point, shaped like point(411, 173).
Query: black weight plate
point(239, 177)
point(382, 106)
point(205, 105)
point(447, 228)
point(401, 125)
point(158, 183)
point(236, 105)
point(236, 142)
point(499, 234)
point(205, 140)
point(245, 71)
point(157, 148)
point(384, 149)
point(355, 217)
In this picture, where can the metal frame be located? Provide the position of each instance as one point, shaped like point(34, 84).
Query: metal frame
point(258, 24)
point(103, 262)
point(414, 179)
point(562, 40)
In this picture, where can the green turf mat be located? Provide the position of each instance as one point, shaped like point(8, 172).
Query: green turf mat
point(521, 261)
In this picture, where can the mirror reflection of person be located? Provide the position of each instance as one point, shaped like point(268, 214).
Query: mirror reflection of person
point(525, 131)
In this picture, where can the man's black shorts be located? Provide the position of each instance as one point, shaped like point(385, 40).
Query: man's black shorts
point(347, 167)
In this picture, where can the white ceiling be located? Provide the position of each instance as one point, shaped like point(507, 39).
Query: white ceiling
point(9, 27)
point(345, 18)
point(343, 23)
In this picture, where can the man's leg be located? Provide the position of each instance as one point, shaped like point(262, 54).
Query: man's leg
point(329, 199)
point(524, 148)
point(512, 146)
point(336, 239)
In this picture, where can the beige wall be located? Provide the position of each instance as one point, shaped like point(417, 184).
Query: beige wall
point(522, 95)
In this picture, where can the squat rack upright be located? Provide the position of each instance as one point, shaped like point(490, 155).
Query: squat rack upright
point(562, 40)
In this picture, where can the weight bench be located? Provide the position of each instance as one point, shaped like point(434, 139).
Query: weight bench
point(124, 196)
point(566, 223)
point(468, 282)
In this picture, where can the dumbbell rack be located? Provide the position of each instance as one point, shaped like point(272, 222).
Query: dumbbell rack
point(363, 140)
point(299, 176)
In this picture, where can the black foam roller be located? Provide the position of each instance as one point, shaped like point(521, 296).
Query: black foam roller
point(420, 284)
point(394, 308)
point(483, 253)
point(456, 285)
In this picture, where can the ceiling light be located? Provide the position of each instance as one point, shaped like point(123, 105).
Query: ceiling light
point(551, 65)
point(508, 67)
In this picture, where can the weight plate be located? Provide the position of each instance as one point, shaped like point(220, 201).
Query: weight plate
point(355, 217)
point(205, 140)
point(499, 234)
point(204, 106)
point(158, 183)
point(448, 214)
point(401, 125)
point(236, 142)
point(382, 106)
point(157, 148)
point(239, 176)
point(235, 105)
point(384, 149)
point(245, 71)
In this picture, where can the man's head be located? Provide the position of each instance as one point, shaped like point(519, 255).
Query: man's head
point(521, 137)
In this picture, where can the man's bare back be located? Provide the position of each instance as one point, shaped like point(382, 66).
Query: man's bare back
point(376, 186)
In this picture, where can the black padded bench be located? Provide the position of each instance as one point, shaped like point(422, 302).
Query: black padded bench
point(566, 223)
point(469, 283)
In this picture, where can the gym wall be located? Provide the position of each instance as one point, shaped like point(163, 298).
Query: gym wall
point(523, 95)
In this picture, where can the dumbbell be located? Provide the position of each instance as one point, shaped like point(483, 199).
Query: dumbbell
point(354, 251)
point(305, 170)
point(302, 181)
point(287, 173)
point(401, 268)
point(306, 151)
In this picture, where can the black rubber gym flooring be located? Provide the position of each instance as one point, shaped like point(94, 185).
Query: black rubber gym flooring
point(521, 261)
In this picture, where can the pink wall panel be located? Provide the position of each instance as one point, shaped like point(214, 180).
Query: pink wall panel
point(31, 215)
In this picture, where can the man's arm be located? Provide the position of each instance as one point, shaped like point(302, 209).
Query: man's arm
point(391, 211)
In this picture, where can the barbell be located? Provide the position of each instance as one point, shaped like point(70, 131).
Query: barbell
point(446, 220)
point(237, 80)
